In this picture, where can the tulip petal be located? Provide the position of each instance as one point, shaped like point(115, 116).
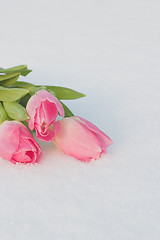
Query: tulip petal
point(22, 157)
point(17, 143)
point(49, 112)
point(30, 150)
point(108, 141)
point(43, 109)
point(9, 139)
point(76, 140)
point(31, 109)
point(35, 148)
point(43, 95)
point(50, 133)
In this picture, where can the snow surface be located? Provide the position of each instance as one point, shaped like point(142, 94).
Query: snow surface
point(109, 50)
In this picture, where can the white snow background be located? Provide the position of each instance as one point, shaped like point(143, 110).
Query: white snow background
point(109, 50)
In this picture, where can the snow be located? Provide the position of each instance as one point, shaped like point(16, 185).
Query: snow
point(109, 50)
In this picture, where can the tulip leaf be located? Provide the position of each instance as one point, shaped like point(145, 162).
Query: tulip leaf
point(67, 111)
point(35, 89)
point(22, 69)
point(24, 100)
point(10, 81)
point(3, 114)
point(60, 92)
point(12, 94)
point(15, 111)
point(65, 93)
point(52, 92)
point(21, 84)
point(8, 76)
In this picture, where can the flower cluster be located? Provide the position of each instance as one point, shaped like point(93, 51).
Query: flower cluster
point(25, 108)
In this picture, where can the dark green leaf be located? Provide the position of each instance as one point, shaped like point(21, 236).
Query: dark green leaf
point(67, 111)
point(24, 100)
point(52, 92)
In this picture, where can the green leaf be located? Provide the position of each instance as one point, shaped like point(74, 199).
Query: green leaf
point(3, 114)
point(32, 88)
point(67, 111)
point(15, 111)
point(52, 92)
point(21, 84)
point(35, 89)
point(10, 81)
point(22, 69)
point(24, 100)
point(65, 93)
point(8, 76)
point(12, 94)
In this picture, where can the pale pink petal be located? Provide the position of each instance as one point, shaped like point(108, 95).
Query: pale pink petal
point(9, 139)
point(77, 140)
point(93, 128)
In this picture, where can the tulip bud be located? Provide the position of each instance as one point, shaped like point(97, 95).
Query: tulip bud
point(81, 139)
point(43, 108)
point(17, 144)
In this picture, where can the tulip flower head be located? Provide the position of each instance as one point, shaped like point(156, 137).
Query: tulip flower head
point(81, 139)
point(43, 108)
point(17, 144)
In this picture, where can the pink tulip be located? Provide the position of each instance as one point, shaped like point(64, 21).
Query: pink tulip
point(17, 144)
point(81, 139)
point(43, 109)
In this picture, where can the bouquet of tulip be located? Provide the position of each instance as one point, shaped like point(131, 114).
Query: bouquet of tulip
point(26, 108)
